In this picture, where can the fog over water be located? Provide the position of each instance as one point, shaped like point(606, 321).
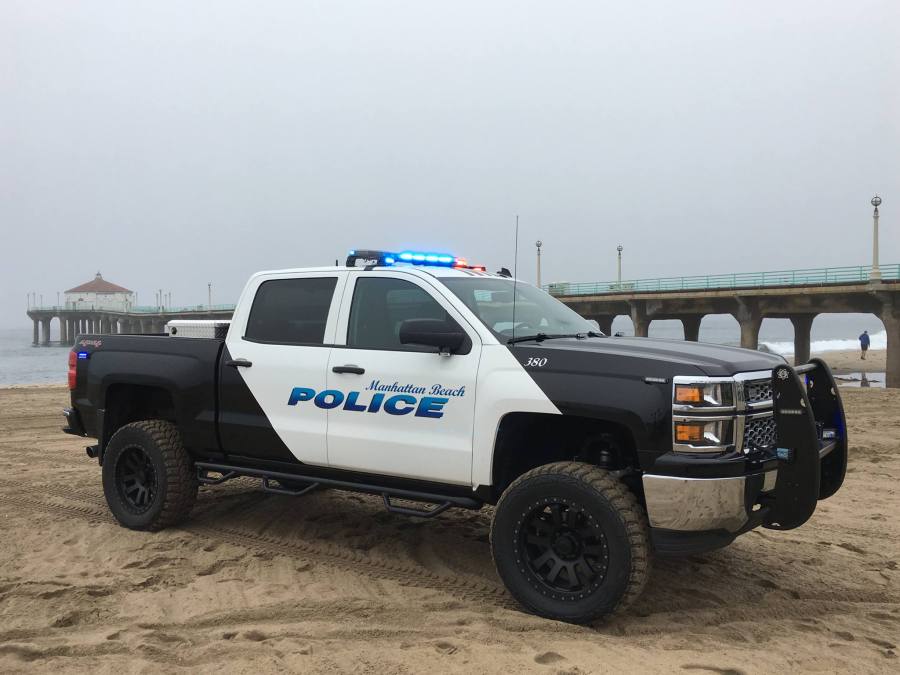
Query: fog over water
point(174, 144)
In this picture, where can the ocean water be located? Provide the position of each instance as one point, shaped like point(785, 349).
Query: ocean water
point(21, 363)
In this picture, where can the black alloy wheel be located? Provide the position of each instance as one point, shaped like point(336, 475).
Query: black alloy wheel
point(136, 479)
point(571, 542)
point(149, 479)
point(564, 547)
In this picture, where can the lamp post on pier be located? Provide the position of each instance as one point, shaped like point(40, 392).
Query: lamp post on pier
point(875, 274)
point(619, 276)
point(538, 245)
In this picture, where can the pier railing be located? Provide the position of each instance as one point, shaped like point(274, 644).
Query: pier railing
point(136, 309)
point(804, 277)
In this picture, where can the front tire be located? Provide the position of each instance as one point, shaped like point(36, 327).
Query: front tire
point(148, 477)
point(570, 542)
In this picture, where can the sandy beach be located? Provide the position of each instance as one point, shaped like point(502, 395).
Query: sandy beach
point(331, 583)
point(843, 362)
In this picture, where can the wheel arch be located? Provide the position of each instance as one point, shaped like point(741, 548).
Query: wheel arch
point(125, 402)
point(526, 440)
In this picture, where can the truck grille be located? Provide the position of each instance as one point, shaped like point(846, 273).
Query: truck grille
point(757, 391)
point(760, 432)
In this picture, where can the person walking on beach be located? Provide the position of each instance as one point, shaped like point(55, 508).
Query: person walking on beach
point(864, 344)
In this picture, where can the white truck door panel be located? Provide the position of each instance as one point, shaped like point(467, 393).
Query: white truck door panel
point(288, 348)
point(411, 412)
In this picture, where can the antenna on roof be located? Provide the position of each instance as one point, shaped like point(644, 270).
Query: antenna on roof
point(515, 275)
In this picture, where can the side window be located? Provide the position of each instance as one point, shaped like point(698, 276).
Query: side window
point(291, 311)
point(380, 305)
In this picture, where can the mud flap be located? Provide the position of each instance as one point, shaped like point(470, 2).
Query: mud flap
point(798, 483)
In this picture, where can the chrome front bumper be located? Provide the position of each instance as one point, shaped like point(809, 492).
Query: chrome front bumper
point(703, 504)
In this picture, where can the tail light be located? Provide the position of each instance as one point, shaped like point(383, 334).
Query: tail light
point(73, 366)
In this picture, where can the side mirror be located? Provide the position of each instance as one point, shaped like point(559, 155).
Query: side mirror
point(445, 335)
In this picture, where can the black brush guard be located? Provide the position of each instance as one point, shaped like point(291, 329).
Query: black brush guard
point(812, 443)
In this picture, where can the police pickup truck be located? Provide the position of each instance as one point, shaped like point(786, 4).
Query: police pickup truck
point(433, 383)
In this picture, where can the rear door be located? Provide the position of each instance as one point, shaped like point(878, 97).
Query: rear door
point(279, 342)
point(398, 409)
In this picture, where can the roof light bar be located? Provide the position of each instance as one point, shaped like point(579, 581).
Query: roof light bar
point(422, 258)
point(378, 258)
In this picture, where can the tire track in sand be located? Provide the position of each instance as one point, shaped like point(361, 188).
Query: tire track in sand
point(405, 574)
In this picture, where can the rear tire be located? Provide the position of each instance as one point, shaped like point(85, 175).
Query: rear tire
point(148, 477)
point(570, 542)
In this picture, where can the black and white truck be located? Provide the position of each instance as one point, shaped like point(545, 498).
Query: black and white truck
point(428, 381)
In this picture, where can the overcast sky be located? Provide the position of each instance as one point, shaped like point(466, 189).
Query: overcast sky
point(169, 144)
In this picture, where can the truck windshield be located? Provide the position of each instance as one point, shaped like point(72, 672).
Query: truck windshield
point(536, 312)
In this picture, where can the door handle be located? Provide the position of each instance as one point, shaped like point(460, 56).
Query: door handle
point(239, 363)
point(349, 368)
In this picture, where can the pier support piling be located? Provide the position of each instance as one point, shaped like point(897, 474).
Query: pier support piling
point(45, 331)
point(604, 321)
point(802, 329)
point(691, 325)
point(750, 319)
point(37, 335)
point(890, 317)
point(750, 333)
point(640, 319)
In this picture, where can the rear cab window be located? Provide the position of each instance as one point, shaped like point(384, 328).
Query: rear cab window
point(291, 311)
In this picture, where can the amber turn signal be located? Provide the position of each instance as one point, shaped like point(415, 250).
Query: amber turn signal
point(688, 394)
point(688, 433)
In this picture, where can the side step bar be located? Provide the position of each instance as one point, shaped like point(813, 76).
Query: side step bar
point(308, 483)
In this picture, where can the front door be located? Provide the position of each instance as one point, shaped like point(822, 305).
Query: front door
point(278, 347)
point(399, 409)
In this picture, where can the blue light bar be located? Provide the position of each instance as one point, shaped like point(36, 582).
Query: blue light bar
point(83, 355)
point(384, 258)
point(420, 258)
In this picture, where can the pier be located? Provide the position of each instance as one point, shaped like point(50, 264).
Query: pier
point(797, 295)
point(99, 306)
point(70, 322)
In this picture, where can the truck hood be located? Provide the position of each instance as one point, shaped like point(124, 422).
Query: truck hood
point(658, 357)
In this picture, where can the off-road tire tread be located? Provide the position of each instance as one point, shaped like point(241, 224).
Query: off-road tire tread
point(181, 478)
point(629, 510)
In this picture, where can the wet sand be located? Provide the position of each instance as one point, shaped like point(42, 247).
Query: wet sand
point(843, 362)
point(331, 583)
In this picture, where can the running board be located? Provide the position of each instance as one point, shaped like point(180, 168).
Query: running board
point(308, 483)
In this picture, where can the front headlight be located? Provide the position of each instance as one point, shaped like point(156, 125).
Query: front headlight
point(705, 395)
point(703, 435)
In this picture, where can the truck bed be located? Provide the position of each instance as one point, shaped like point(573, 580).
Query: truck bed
point(116, 373)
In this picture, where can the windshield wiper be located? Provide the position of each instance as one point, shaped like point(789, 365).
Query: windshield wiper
point(540, 337)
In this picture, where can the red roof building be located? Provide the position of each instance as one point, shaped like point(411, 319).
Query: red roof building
point(100, 294)
point(98, 285)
